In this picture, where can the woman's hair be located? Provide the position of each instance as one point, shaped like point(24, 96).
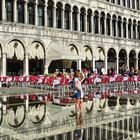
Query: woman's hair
point(76, 73)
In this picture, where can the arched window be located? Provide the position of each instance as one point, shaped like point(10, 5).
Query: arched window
point(89, 21)
point(129, 29)
point(114, 26)
point(128, 3)
point(134, 29)
point(41, 12)
point(119, 26)
point(96, 22)
point(50, 13)
point(58, 15)
point(123, 3)
point(9, 10)
point(82, 20)
point(1, 10)
point(113, 1)
point(119, 2)
point(102, 23)
point(138, 7)
point(133, 4)
point(124, 28)
point(20, 11)
point(67, 16)
point(74, 18)
point(138, 32)
point(108, 24)
point(31, 15)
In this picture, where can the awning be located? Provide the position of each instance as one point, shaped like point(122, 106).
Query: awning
point(57, 53)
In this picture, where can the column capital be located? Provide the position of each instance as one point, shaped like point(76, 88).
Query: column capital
point(26, 1)
point(4, 53)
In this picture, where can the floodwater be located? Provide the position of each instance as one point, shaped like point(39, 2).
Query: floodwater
point(26, 115)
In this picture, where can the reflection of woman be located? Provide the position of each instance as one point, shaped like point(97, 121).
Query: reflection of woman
point(78, 134)
point(78, 92)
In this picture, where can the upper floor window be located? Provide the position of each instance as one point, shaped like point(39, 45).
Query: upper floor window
point(59, 15)
point(133, 4)
point(96, 22)
point(108, 24)
point(67, 16)
point(50, 13)
point(138, 7)
point(20, 11)
point(119, 2)
point(31, 16)
point(74, 18)
point(128, 3)
point(0, 10)
point(82, 21)
point(9, 10)
point(41, 13)
point(123, 2)
point(113, 1)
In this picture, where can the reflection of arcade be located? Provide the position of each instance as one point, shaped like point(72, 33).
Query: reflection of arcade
point(37, 105)
point(15, 109)
point(78, 134)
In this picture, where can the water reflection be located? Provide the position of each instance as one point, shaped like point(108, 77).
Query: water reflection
point(78, 133)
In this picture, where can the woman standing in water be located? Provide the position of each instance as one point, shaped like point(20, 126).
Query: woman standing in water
point(78, 92)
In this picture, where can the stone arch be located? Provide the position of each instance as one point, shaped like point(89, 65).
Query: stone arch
point(100, 53)
point(122, 58)
point(15, 47)
point(37, 50)
point(132, 58)
point(73, 49)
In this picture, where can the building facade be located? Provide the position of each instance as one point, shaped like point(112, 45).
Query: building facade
point(38, 36)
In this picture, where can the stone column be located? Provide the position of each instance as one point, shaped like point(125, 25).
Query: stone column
point(70, 20)
point(99, 25)
point(106, 132)
point(132, 31)
point(135, 4)
point(93, 64)
point(36, 13)
point(71, 136)
point(63, 136)
point(130, 3)
point(26, 65)
point(86, 134)
point(136, 31)
point(116, 28)
point(111, 27)
point(46, 66)
point(3, 72)
point(92, 29)
point(63, 18)
point(55, 137)
point(137, 63)
point(79, 67)
point(92, 133)
point(25, 12)
point(85, 22)
point(117, 65)
point(54, 16)
point(78, 21)
point(122, 29)
point(105, 26)
point(106, 64)
point(45, 14)
point(128, 62)
point(3, 11)
point(126, 30)
point(15, 11)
